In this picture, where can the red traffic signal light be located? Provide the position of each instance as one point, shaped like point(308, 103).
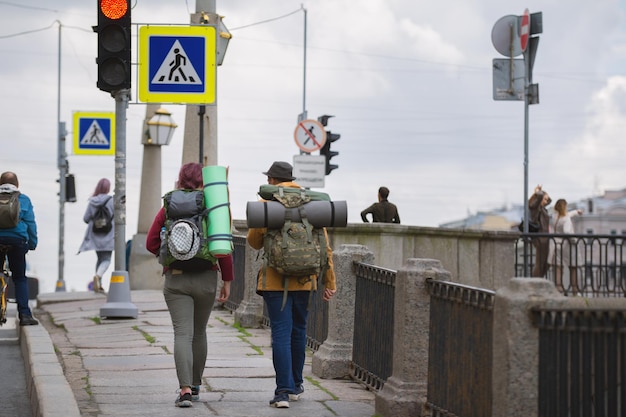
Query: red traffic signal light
point(114, 37)
point(113, 9)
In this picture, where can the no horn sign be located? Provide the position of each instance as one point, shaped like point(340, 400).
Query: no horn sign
point(177, 64)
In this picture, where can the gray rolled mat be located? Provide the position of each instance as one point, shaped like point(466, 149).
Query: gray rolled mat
point(271, 214)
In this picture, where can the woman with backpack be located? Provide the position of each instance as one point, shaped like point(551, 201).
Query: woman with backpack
point(190, 285)
point(99, 235)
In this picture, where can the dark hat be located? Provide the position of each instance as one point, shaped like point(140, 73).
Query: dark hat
point(281, 170)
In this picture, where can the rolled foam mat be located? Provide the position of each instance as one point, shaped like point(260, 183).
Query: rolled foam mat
point(219, 230)
point(271, 214)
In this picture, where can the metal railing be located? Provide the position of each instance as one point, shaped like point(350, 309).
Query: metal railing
point(582, 362)
point(578, 264)
point(460, 350)
point(238, 285)
point(372, 348)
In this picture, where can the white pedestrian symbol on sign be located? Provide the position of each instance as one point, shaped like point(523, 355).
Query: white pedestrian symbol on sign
point(94, 135)
point(176, 68)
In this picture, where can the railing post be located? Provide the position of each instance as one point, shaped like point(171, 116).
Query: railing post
point(332, 359)
point(404, 393)
point(516, 345)
point(250, 311)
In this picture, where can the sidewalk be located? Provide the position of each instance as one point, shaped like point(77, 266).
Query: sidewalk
point(125, 367)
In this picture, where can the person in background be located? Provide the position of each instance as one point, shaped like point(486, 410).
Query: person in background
point(102, 243)
point(563, 252)
point(189, 295)
point(383, 211)
point(537, 204)
point(20, 240)
point(288, 324)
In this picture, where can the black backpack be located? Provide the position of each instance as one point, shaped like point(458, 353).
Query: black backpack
point(9, 209)
point(102, 219)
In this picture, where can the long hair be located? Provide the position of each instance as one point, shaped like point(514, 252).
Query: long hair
point(561, 207)
point(190, 176)
point(103, 187)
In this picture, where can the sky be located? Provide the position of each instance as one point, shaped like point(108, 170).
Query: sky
point(409, 83)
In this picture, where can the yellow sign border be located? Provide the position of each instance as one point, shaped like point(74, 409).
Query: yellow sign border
point(76, 130)
point(210, 76)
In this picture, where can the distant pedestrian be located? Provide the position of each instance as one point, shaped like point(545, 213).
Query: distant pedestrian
point(189, 289)
point(563, 252)
point(102, 243)
point(288, 315)
point(537, 204)
point(383, 211)
point(20, 240)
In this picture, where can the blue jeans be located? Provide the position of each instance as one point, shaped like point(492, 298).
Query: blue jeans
point(17, 264)
point(288, 337)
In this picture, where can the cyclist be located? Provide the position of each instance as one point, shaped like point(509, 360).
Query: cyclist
point(21, 239)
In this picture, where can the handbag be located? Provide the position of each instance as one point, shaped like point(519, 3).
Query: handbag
point(532, 227)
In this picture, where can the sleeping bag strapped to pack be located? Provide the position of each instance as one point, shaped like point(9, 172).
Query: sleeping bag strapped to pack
point(184, 243)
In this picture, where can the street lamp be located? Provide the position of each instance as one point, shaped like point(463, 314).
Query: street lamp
point(160, 128)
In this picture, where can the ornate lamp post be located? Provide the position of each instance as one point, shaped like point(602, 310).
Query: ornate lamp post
point(144, 270)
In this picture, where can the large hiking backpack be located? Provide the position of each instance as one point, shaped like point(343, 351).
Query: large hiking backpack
point(184, 243)
point(9, 209)
point(102, 219)
point(297, 249)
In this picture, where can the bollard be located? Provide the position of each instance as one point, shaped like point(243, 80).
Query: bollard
point(118, 303)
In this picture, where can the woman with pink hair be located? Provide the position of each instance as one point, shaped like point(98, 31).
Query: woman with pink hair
point(101, 242)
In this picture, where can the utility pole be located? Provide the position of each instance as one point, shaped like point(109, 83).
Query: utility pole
point(200, 137)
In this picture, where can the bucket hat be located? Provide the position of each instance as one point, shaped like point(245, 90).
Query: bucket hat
point(281, 170)
point(183, 240)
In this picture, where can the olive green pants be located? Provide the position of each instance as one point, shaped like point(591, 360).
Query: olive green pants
point(189, 297)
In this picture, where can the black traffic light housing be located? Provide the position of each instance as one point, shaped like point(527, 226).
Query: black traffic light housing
point(114, 45)
point(330, 138)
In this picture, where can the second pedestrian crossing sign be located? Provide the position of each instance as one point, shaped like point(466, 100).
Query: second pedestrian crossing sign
point(94, 133)
point(177, 64)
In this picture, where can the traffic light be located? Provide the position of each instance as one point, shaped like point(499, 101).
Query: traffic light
point(113, 45)
point(330, 138)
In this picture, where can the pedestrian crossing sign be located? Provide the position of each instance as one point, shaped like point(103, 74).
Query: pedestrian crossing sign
point(177, 64)
point(94, 133)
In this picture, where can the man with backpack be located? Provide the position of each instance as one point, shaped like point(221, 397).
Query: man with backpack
point(287, 299)
point(20, 238)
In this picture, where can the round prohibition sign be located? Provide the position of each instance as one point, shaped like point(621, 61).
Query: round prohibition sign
point(309, 135)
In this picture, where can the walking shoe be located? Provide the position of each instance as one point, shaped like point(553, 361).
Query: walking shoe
point(28, 321)
point(183, 400)
point(296, 395)
point(280, 401)
point(97, 285)
point(195, 393)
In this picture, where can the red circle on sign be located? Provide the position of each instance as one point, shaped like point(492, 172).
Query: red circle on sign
point(524, 30)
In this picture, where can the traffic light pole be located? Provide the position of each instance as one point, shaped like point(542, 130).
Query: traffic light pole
point(62, 165)
point(122, 97)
